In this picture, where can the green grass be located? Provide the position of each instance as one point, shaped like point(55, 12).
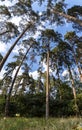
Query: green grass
point(20, 123)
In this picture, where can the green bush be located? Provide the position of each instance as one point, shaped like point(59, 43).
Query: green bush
point(33, 105)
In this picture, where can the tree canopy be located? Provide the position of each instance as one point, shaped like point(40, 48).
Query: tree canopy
point(36, 29)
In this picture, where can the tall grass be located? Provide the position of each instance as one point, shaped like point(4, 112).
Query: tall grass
point(39, 123)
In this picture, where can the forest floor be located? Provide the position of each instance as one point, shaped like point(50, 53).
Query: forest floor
point(21, 123)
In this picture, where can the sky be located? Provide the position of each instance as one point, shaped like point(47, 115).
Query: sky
point(73, 2)
point(4, 47)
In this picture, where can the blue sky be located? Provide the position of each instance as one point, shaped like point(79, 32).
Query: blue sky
point(73, 2)
point(63, 29)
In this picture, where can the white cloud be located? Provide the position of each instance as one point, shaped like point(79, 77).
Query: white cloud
point(45, 68)
point(17, 48)
point(3, 47)
point(15, 51)
point(1, 73)
point(65, 72)
point(40, 13)
point(8, 3)
point(36, 34)
point(15, 20)
point(34, 74)
point(19, 73)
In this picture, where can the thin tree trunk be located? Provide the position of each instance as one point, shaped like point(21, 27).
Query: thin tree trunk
point(71, 18)
point(79, 69)
point(74, 90)
point(11, 48)
point(78, 21)
point(16, 89)
point(12, 84)
point(60, 94)
point(59, 83)
point(47, 87)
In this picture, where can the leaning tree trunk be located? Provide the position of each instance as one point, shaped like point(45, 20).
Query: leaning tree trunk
point(47, 86)
point(70, 18)
point(74, 90)
point(11, 87)
point(12, 47)
point(16, 88)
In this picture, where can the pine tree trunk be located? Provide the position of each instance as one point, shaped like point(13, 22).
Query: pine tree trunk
point(7, 105)
point(59, 85)
point(74, 91)
point(70, 18)
point(79, 69)
point(11, 87)
point(47, 87)
point(16, 89)
point(12, 47)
